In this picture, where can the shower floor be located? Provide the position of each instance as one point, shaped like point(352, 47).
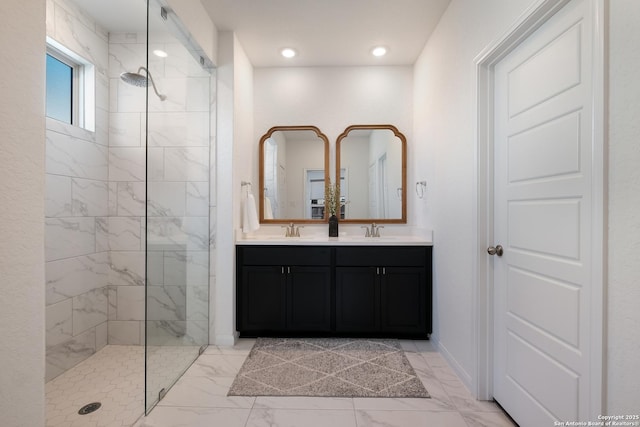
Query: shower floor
point(113, 376)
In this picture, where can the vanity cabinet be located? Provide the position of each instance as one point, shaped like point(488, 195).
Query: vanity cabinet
point(334, 290)
point(283, 288)
point(385, 290)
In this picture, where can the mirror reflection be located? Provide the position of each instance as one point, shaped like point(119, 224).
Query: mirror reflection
point(371, 169)
point(294, 165)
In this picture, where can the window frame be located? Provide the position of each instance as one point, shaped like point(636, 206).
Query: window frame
point(82, 84)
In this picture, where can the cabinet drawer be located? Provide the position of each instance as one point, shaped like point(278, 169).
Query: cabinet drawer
point(285, 255)
point(389, 256)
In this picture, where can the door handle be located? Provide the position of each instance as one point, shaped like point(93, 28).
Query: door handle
point(497, 250)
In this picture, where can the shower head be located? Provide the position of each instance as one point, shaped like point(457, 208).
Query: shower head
point(137, 79)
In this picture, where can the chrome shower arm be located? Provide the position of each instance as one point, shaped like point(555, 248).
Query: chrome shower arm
point(153, 84)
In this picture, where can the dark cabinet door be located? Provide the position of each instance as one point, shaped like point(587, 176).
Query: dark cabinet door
point(357, 299)
point(403, 301)
point(262, 298)
point(308, 298)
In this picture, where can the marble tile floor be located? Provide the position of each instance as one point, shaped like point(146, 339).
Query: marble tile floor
point(199, 398)
point(115, 377)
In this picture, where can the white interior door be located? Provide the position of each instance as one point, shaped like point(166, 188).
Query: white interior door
point(543, 216)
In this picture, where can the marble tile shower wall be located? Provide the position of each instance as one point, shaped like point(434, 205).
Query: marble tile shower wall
point(177, 194)
point(76, 216)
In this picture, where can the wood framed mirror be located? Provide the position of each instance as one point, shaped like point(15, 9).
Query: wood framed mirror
point(371, 167)
point(293, 168)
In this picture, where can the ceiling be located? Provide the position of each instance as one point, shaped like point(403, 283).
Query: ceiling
point(328, 32)
point(323, 32)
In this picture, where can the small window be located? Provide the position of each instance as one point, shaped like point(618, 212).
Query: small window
point(70, 90)
point(60, 90)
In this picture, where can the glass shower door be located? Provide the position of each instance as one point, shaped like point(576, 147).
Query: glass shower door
point(177, 205)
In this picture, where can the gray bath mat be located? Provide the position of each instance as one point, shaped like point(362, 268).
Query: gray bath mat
point(334, 367)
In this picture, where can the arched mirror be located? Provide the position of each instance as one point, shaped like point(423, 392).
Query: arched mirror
point(371, 167)
point(294, 166)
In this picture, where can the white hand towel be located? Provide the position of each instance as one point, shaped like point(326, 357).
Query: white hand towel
point(249, 215)
point(268, 210)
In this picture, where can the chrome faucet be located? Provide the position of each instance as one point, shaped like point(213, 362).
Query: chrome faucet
point(291, 230)
point(374, 231)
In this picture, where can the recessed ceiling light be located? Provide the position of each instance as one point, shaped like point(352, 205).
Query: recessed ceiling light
point(160, 53)
point(379, 51)
point(288, 52)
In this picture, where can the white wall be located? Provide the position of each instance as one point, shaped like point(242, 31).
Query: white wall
point(443, 155)
point(236, 158)
point(22, 184)
point(332, 98)
point(623, 347)
point(246, 159)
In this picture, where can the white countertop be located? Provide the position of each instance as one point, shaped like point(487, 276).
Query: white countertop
point(311, 237)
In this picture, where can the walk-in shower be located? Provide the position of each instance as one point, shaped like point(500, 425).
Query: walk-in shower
point(127, 219)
